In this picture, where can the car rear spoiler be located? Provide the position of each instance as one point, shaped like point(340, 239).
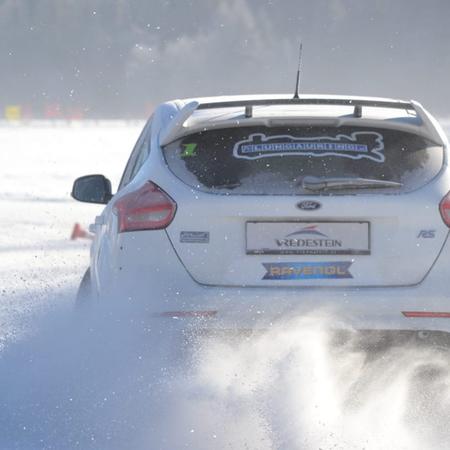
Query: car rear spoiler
point(308, 101)
point(176, 128)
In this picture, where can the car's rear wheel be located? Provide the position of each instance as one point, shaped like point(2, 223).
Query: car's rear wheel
point(84, 295)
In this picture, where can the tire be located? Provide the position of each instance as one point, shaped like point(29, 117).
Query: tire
point(84, 295)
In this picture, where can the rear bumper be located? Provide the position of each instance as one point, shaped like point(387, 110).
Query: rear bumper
point(146, 272)
point(365, 309)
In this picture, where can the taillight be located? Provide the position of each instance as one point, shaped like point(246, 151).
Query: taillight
point(148, 208)
point(444, 208)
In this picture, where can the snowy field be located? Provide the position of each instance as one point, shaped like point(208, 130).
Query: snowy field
point(37, 167)
point(122, 382)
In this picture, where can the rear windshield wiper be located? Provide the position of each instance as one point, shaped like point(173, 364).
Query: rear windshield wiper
point(323, 183)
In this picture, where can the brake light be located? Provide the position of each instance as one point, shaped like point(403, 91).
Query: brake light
point(426, 314)
point(148, 208)
point(444, 208)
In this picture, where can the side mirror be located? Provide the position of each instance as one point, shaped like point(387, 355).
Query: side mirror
point(92, 189)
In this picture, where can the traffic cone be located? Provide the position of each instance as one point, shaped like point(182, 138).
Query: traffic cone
point(79, 232)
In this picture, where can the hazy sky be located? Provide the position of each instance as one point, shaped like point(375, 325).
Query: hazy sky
point(117, 57)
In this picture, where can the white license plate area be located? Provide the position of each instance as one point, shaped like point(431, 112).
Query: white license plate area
point(308, 238)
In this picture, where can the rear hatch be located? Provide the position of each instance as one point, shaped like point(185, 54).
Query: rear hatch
point(306, 206)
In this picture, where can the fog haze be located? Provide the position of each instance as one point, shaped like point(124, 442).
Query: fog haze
point(117, 58)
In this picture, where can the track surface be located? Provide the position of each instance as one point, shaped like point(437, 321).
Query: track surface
point(37, 167)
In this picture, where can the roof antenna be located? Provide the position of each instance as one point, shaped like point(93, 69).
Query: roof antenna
point(297, 83)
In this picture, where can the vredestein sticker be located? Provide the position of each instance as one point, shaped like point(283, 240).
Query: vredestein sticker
point(307, 271)
point(358, 145)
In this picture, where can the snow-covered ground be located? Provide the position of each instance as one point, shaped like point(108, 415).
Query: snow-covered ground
point(38, 164)
point(74, 381)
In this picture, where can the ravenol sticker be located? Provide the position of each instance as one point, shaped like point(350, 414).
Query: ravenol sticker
point(358, 145)
point(307, 271)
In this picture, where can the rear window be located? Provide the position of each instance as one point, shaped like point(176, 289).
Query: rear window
point(262, 160)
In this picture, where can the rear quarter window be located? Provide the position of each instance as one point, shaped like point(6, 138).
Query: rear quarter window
point(262, 160)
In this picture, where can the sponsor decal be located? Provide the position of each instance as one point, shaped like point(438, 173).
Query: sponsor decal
point(427, 234)
point(309, 205)
point(194, 237)
point(358, 145)
point(189, 150)
point(308, 238)
point(307, 271)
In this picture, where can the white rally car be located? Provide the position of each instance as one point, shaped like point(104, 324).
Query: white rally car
point(244, 209)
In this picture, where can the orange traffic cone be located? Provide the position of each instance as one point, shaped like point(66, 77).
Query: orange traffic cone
point(79, 232)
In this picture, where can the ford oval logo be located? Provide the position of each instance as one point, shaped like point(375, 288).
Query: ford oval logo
point(309, 205)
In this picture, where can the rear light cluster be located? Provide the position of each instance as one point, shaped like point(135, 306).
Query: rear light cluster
point(148, 208)
point(426, 314)
point(444, 208)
